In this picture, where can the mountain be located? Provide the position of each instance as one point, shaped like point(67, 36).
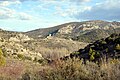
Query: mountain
point(87, 31)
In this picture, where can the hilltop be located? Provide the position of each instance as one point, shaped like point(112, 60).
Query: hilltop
point(86, 31)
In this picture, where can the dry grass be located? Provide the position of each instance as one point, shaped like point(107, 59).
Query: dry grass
point(72, 69)
point(14, 69)
point(53, 48)
point(75, 69)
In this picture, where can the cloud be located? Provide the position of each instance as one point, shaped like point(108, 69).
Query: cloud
point(68, 9)
point(9, 2)
point(24, 16)
point(107, 10)
point(79, 1)
point(6, 13)
point(66, 12)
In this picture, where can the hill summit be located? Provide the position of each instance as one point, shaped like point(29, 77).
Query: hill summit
point(86, 31)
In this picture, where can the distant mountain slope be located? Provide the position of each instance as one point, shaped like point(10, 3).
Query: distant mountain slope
point(44, 32)
point(82, 31)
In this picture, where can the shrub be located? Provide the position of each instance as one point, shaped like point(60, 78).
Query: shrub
point(2, 59)
point(35, 59)
point(117, 47)
point(103, 42)
point(40, 61)
point(76, 53)
point(74, 69)
point(92, 57)
point(109, 39)
point(20, 56)
point(90, 51)
point(113, 35)
point(97, 54)
point(117, 40)
point(4, 53)
point(28, 58)
point(26, 76)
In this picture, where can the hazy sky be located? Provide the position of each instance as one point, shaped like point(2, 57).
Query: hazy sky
point(25, 15)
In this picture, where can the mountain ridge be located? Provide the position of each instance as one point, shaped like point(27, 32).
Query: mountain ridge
point(77, 30)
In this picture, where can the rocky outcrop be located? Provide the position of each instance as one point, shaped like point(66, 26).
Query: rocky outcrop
point(20, 37)
point(67, 29)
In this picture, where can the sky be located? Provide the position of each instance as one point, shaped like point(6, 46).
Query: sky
point(26, 15)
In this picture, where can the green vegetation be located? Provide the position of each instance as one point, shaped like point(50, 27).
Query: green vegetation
point(92, 57)
point(21, 56)
point(93, 54)
point(41, 61)
point(109, 47)
point(103, 42)
point(117, 47)
point(28, 58)
point(2, 59)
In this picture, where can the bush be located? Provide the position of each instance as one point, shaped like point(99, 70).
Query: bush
point(2, 59)
point(28, 58)
point(20, 56)
point(109, 39)
point(74, 54)
point(113, 35)
point(97, 54)
point(117, 40)
point(26, 76)
point(35, 59)
point(103, 42)
point(90, 51)
point(4, 53)
point(93, 54)
point(74, 69)
point(92, 57)
point(117, 47)
point(40, 61)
